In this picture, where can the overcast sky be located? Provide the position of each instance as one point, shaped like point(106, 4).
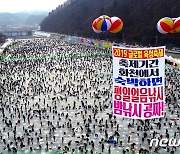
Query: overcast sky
point(28, 5)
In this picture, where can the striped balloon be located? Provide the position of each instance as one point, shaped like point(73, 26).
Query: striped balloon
point(165, 25)
point(94, 26)
point(173, 31)
point(177, 25)
point(102, 24)
point(117, 25)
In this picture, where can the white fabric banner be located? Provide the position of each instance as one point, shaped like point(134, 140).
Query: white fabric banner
point(138, 82)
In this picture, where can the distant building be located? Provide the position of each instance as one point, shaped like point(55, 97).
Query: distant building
point(16, 33)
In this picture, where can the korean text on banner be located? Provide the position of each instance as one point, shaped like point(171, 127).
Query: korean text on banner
point(138, 82)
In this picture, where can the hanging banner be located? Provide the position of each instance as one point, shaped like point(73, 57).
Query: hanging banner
point(138, 82)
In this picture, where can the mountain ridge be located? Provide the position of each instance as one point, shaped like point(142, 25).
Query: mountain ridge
point(21, 18)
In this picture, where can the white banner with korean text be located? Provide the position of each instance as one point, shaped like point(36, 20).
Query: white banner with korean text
point(138, 82)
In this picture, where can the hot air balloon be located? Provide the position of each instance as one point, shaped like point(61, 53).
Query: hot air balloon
point(117, 25)
point(102, 24)
point(165, 25)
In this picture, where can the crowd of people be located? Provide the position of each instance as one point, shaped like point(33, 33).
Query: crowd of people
point(60, 102)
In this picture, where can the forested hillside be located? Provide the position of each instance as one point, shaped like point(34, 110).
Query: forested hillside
point(139, 16)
